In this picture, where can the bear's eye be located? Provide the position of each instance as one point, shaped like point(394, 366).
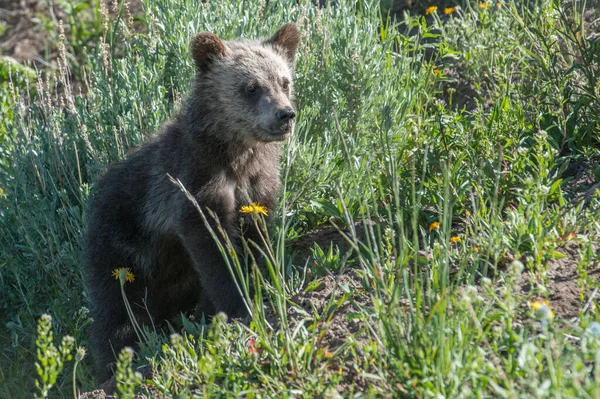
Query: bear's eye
point(286, 84)
point(251, 88)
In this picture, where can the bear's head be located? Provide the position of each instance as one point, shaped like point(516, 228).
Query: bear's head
point(243, 88)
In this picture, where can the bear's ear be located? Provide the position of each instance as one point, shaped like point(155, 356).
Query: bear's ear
point(206, 47)
point(285, 41)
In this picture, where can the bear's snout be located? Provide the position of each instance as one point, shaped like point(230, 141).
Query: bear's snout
point(282, 122)
point(284, 115)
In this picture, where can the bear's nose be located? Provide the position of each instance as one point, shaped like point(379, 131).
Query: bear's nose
point(286, 114)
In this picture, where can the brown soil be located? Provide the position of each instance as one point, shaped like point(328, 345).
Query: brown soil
point(329, 308)
point(97, 394)
point(328, 304)
point(24, 38)
point(109, 388)
point(567, 297)
point(591, 16)
point(324, 237)
point(105, 391)
point(460, 92)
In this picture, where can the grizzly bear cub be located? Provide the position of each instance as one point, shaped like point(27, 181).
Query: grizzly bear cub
point(224, 146)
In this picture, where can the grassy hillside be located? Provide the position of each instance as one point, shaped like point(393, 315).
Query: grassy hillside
point(437, 233)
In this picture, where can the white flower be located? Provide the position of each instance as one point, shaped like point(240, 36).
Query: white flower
point(516, 267)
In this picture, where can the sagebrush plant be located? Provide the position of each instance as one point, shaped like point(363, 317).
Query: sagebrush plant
point(126, 378)
point(50, 359)
point(450, 217)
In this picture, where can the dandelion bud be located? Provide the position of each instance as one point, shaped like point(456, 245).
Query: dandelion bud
point(80, 354)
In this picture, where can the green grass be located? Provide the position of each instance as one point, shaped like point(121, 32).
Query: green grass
point(379, 143)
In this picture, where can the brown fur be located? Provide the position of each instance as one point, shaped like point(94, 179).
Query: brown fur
point(225, 147)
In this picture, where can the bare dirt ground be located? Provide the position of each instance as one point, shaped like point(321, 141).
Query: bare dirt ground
point(24, 38)
point(567, 298)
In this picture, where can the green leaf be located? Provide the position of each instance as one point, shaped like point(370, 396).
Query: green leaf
point(556, 255)
point(79, 8)
point(555, 187)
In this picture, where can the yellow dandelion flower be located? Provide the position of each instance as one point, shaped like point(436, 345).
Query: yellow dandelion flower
point(431, 10)
point(129, 276)
point(340, 371)
point(454, 239)
point(537, 305)
point(434, 226)
point(437, 72)
point(255, 207)
point(498, 4)
point(449, 10)
point(484, 5)
point(467, 213)
point(476, 249)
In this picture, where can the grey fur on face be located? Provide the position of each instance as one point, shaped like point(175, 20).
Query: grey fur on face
point(225, 148)
point(252, 82)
